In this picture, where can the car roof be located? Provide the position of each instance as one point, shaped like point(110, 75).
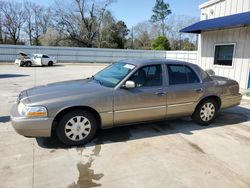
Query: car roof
point(39, 54)
point(142, 62)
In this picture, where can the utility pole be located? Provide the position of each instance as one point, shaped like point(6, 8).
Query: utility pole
point(1, 33)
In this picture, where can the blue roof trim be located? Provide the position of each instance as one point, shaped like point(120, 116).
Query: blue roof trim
point(232, 21)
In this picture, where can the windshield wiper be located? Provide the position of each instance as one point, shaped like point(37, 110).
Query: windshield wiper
point(99, 81)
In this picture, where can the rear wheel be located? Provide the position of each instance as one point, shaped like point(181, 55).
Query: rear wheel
point(28, 64)
point(50, 63)
point(76, 128)
point(205, 112)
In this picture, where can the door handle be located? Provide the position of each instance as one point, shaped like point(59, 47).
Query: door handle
point(199, 90)
point(160, 93)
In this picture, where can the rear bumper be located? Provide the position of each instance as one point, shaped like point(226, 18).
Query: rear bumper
point(31, 127)
point(230, 101)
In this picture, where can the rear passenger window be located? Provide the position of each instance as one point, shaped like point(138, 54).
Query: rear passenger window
point(181, 74)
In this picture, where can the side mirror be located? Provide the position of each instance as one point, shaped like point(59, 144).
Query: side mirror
point(129, 84)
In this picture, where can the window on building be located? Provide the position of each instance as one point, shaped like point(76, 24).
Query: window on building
point(224, 54)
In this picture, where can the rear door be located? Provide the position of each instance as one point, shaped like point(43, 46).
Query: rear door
point(45, 59)
point(183, 90)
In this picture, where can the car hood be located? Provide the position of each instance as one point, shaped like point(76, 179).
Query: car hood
point(62, 90)
point(22, 53)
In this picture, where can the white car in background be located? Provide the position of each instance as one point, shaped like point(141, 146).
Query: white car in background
point(35, 59)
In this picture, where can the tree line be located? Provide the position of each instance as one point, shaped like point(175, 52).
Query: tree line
point(88, 23)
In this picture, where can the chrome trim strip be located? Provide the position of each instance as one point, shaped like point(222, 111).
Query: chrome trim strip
point(232, 97)
point(181, 104)
point(30, 119)
point(137, 109)
point(106, 112)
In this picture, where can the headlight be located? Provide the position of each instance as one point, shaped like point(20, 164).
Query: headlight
point(32, 111)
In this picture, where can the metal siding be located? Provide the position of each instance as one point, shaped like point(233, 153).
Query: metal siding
point(238, 55)
point(240, 69)
point(241, 36)
point(226, 7)
point(246, 56)
point(234, 6)
point(223, 9)
point(72, 54)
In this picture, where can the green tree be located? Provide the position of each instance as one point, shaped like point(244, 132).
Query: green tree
point(161, 43)
point(114, 35)
point(161, 10)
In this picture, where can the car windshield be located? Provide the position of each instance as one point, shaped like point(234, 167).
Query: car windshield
point(29, 56)
point(113, 74)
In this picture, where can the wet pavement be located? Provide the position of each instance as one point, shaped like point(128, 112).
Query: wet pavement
point(174, 153)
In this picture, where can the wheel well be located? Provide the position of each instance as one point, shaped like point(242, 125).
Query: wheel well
point(216, 98)
point(63, 112)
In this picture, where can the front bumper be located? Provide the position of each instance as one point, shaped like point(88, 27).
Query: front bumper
point(230, 101)
point(30, 127)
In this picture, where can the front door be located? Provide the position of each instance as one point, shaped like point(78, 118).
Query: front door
point(183, 90)
point(147, 101)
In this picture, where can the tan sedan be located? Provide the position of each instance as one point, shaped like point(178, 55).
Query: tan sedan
point(126, 92)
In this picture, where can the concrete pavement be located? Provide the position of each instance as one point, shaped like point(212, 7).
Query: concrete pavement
point(175, 153)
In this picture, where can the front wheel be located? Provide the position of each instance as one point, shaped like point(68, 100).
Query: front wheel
point(76, 128)
point(205, 112)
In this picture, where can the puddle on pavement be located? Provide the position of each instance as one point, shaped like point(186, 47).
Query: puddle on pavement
point(87, 177)
point(4, 119)
point(80, 149)
point(96, 151)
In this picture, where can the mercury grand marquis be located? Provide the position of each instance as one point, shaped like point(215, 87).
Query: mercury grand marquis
point(125, 92)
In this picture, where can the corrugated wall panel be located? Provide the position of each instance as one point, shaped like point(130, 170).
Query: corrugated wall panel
point(225, 8)
point(234, 6)
point(246, 58)
point(228, 7)
point(67, 54)
point(239, 36)
point(222, 9)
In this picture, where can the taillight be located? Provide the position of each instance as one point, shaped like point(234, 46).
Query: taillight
point(235, 88)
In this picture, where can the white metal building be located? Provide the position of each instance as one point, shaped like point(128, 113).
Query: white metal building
point(224, 41)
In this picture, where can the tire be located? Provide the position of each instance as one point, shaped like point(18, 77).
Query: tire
point(205, 112)
point(71, 132)
point(50, 63)
point(28, 64)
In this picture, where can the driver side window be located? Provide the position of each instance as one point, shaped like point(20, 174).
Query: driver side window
point(148, 76)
